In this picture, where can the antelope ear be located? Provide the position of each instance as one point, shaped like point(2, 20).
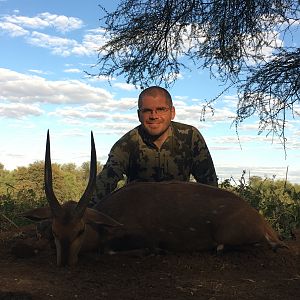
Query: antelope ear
point(94, 216)
point(37, 214)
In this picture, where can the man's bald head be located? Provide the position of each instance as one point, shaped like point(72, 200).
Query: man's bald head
point(154, 91)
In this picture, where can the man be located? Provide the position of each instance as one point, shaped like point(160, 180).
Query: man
point(159, 149)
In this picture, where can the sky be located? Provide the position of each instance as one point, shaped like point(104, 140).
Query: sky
point(46, 49)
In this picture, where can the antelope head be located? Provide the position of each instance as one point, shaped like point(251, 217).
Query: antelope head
point(68, 225)
point(74, 225)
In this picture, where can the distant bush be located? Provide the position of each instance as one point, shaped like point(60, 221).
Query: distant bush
point(22, 189)
point(277, 200)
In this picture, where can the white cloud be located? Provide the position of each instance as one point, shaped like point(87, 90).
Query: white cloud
point(40, 72)
point(192, 112)
point(84, 112)
point(18, 87)
point(297, 109)
point(234, 139)
point(73, 70)
point(230, 100)
point(95, 78)
point(94, 39)
point(58, 45)
point(13, 29)
point(19, 110)
point(16, 26)
point(272, 39)
point(235, 172)
point(128, 104)
point(113, 127)
point(123, 109)
point(180, 99)
point(124, 86)
point(64, 46)
point(110, 119)
point(45, 20)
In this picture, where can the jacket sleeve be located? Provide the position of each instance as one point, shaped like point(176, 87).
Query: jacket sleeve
point(203, 168)
point(113, 171)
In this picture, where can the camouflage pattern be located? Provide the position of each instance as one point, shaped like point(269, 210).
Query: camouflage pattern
point(183, 154)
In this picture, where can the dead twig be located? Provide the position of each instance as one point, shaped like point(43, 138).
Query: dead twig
point(9, 220)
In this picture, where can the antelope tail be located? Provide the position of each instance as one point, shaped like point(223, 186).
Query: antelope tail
point(273, 239)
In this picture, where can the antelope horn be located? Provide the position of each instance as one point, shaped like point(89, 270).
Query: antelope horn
point(52, 200)
point(85, 198)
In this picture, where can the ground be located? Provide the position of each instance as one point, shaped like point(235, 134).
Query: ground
point(252, 273)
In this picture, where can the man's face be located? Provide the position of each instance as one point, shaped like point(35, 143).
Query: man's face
point(155, 114)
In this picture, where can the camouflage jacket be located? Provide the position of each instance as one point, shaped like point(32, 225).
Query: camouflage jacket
point(183, 154)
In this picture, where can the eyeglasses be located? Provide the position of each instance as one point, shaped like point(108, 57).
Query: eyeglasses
point(158, 110)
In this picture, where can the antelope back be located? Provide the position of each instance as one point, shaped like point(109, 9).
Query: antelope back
point(185, 216)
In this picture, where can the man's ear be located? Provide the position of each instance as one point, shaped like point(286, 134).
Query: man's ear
point(139, 115)
point(173, 113)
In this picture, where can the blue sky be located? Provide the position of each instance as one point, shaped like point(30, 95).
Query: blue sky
point(45, 48)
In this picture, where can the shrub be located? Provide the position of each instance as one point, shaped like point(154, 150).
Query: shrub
point(278, 201)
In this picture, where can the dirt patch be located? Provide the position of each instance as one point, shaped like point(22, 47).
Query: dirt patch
point(255, 273)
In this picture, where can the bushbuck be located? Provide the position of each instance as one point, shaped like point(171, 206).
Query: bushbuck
point(74, 226)
point(184, 216)
point(173, 216)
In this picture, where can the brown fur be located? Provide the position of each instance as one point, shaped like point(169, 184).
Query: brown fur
point(185, 216)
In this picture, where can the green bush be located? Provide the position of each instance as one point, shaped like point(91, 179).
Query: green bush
point(23, 189)
point(278, 201)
